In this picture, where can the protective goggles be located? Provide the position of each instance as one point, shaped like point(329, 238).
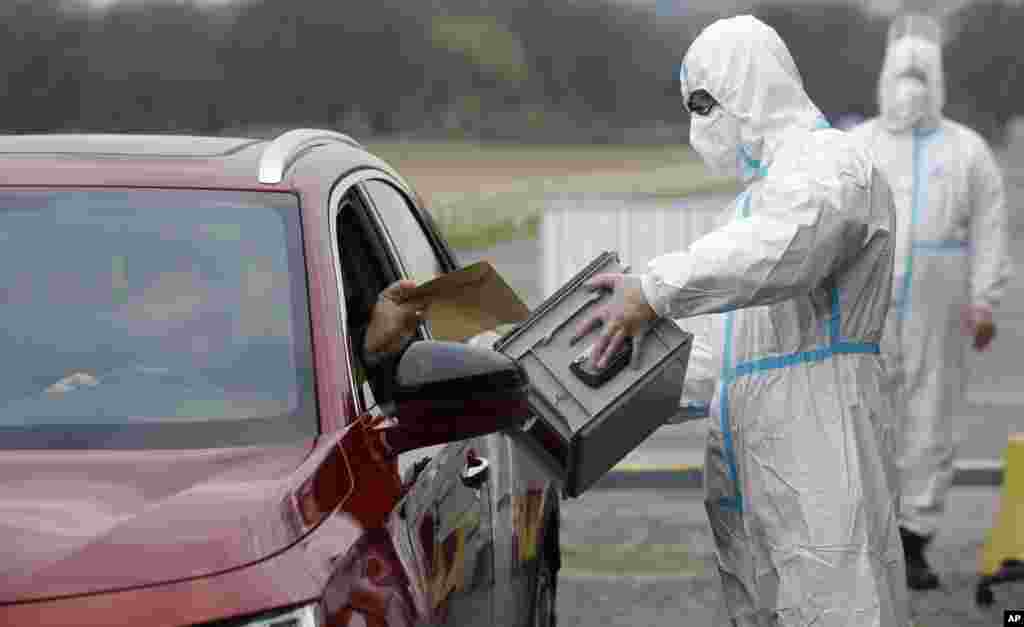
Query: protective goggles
point(701, 103)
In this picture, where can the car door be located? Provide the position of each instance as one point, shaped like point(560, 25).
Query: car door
point(447, 508)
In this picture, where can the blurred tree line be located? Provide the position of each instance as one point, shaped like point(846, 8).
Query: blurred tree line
point(533, 70)
point(839, 50)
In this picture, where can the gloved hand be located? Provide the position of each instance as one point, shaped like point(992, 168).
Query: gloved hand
point(627, 315)
point(486, 339)
point(976, 321)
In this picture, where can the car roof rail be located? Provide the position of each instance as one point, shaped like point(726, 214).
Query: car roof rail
point(281, 152)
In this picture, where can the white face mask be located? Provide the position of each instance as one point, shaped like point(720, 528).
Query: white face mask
point(716, 138)
point(908, 103)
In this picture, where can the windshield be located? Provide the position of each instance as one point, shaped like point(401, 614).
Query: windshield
point(153, 319)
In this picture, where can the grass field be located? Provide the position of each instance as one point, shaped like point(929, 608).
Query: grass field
point(481, 194)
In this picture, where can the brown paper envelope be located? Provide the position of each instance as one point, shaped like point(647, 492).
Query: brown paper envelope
point(469, 301)
point(452, 281)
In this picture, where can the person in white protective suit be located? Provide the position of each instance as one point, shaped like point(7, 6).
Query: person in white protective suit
point(951, 267)
point(799, 480)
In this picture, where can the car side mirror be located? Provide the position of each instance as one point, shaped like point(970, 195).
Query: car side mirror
point(448, 391)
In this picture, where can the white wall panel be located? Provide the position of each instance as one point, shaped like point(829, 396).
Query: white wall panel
point(575, 229)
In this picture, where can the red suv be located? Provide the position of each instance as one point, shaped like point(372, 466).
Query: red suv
point(185, 435)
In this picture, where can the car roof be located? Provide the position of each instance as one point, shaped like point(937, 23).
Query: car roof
point(123, 145)
point(185, 161)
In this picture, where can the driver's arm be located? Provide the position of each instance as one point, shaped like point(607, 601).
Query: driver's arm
point(382, 334)
point(380, 369)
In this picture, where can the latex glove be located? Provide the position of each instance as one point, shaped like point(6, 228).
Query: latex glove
point(394, 318)
point(976, 321)
point(627, 315)
point(486, 339)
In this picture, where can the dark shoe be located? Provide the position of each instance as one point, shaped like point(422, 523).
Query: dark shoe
point(920, 576)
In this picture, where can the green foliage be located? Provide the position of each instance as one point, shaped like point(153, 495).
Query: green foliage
point(492, 48)
point(839, 50)
point(981, 61)
point(484, 213)
point(532, 70)
point(478, 237)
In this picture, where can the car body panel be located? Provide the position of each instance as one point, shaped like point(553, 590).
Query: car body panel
point(447, 521)
point(71, 520)
point(450, 526)
point(123, 145)
point(327, 516)
point(84, 160)
point(527, 494)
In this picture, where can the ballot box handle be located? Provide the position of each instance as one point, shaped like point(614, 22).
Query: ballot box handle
point(593, 298)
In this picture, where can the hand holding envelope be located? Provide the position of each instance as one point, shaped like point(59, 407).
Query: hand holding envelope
point(467, 302)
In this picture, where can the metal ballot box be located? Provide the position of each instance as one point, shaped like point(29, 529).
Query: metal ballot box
point(599, 416)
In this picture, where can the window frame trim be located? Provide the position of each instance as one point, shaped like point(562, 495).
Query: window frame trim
point(345, 183)
point(434, 239)
point(382, 225)
point(354, 180)
point(357, 178)
point(448, 264)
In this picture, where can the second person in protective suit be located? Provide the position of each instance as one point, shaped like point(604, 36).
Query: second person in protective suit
point(799, 481)
point(951, 267)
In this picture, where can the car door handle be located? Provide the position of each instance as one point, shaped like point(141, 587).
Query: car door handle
point(475, 472)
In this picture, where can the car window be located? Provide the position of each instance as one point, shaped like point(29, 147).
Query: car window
point(153, 319)
point(365, 271)
point(418, 256)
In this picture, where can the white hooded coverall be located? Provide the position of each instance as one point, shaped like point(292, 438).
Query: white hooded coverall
point(798, 476)
point(951, 251)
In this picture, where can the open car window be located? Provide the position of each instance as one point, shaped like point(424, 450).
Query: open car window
point(367, 267)
point(418, 258)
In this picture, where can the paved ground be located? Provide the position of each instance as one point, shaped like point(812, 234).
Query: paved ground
point(604, 535)
point(645, 556)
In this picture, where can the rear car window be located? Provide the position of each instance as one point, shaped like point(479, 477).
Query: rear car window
point(153, 319)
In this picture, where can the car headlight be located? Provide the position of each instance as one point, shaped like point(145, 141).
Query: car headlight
point(305, 616)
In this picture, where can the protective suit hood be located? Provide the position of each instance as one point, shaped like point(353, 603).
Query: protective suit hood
point(911, 54)
point(744, 64)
